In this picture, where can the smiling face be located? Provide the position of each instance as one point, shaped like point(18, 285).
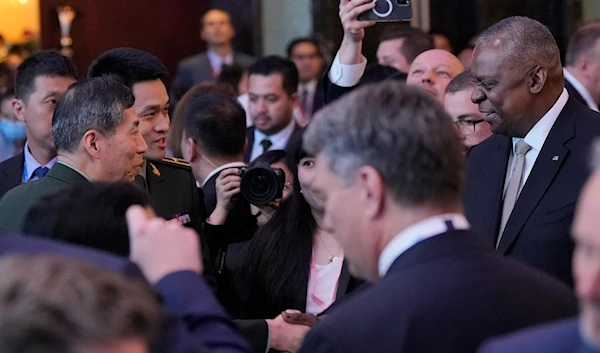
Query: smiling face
point(433, 70)
point(502, 92)
point(152, 107)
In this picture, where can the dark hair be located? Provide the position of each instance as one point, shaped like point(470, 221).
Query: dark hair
point(461, 82)
point(376, 73)
point(279, 254)
point(92, 103)
point(582, 42)
point(415, 40)
point(54, 304)
point(293, 43)
point(130, 65)
point(8, 94)
point(178, 117)
point(271, 65)
point(217, 122)
point(44, 63)
point(269, 157)
point(232, 75)
point(92, 215)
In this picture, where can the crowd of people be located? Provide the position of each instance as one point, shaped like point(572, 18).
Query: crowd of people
point(427, 202)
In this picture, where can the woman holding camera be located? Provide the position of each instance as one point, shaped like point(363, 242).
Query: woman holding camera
point(290, 263)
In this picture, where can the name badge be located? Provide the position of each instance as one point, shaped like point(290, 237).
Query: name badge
point(182, 219)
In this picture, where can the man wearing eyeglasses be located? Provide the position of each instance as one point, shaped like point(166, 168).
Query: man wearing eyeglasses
point(467, 118)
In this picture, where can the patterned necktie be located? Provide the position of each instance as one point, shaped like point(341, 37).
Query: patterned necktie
point(512, 191)
point(266, 144)
point(40, 172)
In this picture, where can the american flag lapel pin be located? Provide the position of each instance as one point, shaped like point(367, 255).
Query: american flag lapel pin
point(555, 158)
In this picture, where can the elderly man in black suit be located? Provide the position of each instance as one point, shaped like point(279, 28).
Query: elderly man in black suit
point(389, 169)
point(523, 182)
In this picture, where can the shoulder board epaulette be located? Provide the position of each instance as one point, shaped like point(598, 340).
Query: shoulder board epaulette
point(176, 162)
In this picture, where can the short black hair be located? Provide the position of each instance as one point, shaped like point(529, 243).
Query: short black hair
point(217, 122)
point(301, 40)
point(91, 215)
point(8, 94)
point(270, 157)
point(45, 63)
point(461, 82)
point(273, 64)
point(232, 75)
point(130, 65)
point(415, 40)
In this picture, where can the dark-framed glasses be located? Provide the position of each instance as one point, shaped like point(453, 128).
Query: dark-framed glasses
point(467, 126)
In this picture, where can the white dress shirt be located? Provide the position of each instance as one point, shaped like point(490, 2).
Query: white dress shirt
point(416, 233)
point(279, 140)
point(216, 61)
point(223, 167)
point(536, 138)
point(31, 164)
point(346, 75)
point(580, 88)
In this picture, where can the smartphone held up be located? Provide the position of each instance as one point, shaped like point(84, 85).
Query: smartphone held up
point(388, 11)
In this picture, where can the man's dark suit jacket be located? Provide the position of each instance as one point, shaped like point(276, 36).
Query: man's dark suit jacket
point(235, 297)
point(445, 294)
point(193, 320)
point(197, 68)
point(538, 230)
point(558, 337)
point(250, 137)
point(11, 173)
point(16, 203)
point(574, 93)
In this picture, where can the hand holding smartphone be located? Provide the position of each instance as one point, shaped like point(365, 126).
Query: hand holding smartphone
point(388, 11)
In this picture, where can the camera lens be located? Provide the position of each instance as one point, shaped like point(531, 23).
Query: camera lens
point(262, 184)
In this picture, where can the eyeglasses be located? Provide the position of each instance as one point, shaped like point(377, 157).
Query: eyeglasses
point(467, 126)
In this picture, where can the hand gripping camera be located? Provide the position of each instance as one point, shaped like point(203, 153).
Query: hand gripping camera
point(388, 11)
point(262, 184)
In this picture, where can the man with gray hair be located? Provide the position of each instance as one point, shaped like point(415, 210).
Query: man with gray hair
point(389, 166)
point(95, 131)
point(523, 182)
point(582, 71)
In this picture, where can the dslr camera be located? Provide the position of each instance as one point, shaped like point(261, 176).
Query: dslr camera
point(261, 184)
point(388, 11)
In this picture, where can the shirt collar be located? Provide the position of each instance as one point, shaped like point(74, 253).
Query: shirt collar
point(415, 233)
point(77, 170)
point(31, 164)
point(217, 61)
point(539, 132)
point(223, 167)
point(310, 86)
point(580, 88)
point(276, 139)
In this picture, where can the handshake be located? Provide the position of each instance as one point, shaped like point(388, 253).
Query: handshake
point(287, 330)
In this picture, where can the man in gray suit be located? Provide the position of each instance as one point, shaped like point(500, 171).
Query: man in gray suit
point(217, 31)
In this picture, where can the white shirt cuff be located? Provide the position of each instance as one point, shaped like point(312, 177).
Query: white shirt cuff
point(346, 75)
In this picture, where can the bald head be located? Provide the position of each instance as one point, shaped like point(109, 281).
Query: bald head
point(433, 70)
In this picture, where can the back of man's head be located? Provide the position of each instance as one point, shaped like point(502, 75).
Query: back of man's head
point(583, 43)
point(57, 305)
point(89, 104)
point(271, 65)
point(130, 65)
point(91, 215)
point(217, 122)
point(400, 131)
point(45, 63)
point(415, 41)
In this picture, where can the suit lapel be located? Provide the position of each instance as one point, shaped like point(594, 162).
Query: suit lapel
point(547, 164)
point(206, 71)
point(13, 173)
point(343, 282)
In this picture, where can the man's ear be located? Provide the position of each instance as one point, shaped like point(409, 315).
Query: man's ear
point(92, 142)
point(191, 150)
point(538, 79)
point(19, 108)
point(371, 191)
